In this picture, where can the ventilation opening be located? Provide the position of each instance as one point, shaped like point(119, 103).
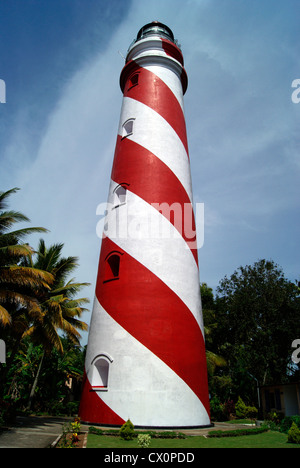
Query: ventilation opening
point(112, 267)
point(127, 128)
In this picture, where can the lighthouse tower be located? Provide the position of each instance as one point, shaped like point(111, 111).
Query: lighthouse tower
point(145, 357)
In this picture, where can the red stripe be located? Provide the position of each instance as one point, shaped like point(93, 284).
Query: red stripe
point(153, 181)
point(92, 408)
point(144, 306)
point(172, 50)
point(154, 93)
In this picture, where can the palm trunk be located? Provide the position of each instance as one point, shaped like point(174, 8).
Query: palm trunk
point(32, 391)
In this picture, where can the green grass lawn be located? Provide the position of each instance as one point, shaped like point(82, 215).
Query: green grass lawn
point(269, 439)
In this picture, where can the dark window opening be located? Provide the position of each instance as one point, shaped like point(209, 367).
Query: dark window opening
point(133, 81)
point(112, 267)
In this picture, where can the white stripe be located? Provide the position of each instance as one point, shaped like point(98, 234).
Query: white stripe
point(141, 386)
point(170, 79)
point(154, 133)
point(144, 233)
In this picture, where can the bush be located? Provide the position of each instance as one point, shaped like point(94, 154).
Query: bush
point(144, 440)
point(275, 417)
point(287, 422)
point(294, 434)
point(251, 412)
point(243, 411)
point(127, 431)
point(238, 432)
point(240, 409)
point(216, 409)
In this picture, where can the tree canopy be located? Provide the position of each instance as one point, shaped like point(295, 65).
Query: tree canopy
point(258, 317)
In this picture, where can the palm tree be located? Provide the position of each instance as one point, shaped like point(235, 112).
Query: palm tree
point(18, 284)
point(60, 307)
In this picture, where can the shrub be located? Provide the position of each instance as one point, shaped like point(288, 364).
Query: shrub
point(251, 412)
point(216, 409)
point(243, 411)
point(127, 431)
point(144, 440)
point(71, 408)
point(294, 434)
point(238, 432)
point(287, 422)
point(76, 425)
point(240, 409)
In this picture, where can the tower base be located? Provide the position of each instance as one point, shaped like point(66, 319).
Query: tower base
point(173, 428)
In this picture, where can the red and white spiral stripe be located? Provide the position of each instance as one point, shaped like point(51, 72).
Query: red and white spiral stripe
point(148, 321)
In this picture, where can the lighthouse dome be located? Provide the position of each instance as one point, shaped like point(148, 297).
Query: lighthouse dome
point(155, 29)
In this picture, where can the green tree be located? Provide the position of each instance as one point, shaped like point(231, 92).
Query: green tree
point(52, 394)
point(258, 312)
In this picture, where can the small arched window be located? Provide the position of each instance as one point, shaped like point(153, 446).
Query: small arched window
point(112, 266)
point(100, 372)
point(120, 193)
point(127, 128)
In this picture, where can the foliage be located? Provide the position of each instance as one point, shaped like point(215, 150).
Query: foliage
point(19, 285)
point(287, 422)
point(144, 440)
point(76, 425)
point(52, 396)
point(240, 408)
point(258, 316)
point(252, 412)
point(127, 431)
point(37, 304)
point(59, 306)
point(216, 409)
point(243, 411)
point(294, 434)
point(237, 432)
point(69, 437)
point(229, 408)
point(152, 434)
point(213, 360)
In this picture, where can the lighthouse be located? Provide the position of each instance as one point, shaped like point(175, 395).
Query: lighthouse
point(145, 358)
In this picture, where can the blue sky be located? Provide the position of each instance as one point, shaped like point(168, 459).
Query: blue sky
point(61, 61)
